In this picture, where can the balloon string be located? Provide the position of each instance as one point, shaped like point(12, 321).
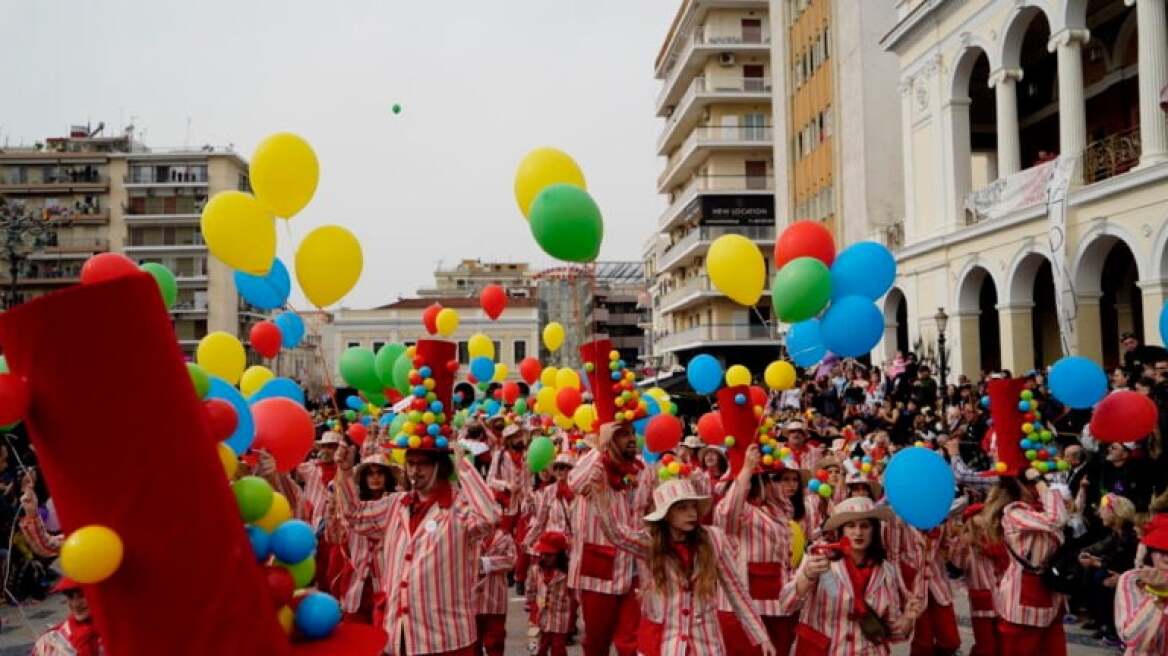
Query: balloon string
point(318, 350)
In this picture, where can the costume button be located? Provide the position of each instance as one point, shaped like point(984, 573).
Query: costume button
point(684, 611)
point(685, 638)
point(850, 638)
point(409, 557)
point(405, 584)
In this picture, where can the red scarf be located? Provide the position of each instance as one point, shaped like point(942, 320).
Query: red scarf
point(516, 457)
point(621, 474)
point(443, 495)
point(563, 492)
point(860, 576)
point(684, 556)
point(328, 471)
point(83, 637)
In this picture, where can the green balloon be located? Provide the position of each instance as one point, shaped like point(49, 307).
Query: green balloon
point(350, 415)
point(401, 373)
point(358, 369)
point(396, 108)
point(395, 426)
point(383, 362)
point(376, 398)
point(540, 454)
point(199, 379)
point(566, 223)
point(521, 406)
point(801, 289)
point(253, 495)
point(302, 572)
point(165, 280)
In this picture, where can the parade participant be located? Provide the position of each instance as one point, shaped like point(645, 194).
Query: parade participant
point(682, 568)
point(687, 451)
point(820, 507)
point(40, 540)
point(496, 557)
point(557, 615)
point(791, 485)
point(757, 516)
point(361, 492)
point(848, 594)
point(921, 556)
point(983, 560)
point(859, 485)
point(803, 453)
point(553, 506)
point(509, 476)
point(313, 504)
point(1141, 596)
point(76, 636)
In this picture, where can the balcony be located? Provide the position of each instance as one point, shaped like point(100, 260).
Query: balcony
point(698, 47)
point(689, 292)
point(57, 184)
point(193, 243)
point(147, 182)
point(712, 184)
point(65, 247)
point(698, 241)
point(685, 159)
point(737, 334)
point(702, 92)
point(189, 307)
point(1115, 154)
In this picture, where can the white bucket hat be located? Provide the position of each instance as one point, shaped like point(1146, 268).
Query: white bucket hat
point(671, 492)
point(329, 438)
point(854, 509)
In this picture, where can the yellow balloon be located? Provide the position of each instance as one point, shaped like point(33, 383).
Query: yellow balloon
point(564, 422)
point(548, 376)
point(286, 618)
point(328, 264)
point(546, 400)
point(540, 168)
point(584, 417)
point(553, 336)
point(398, 456)
point(278, 513)
point(500, 372)
point(221, 355)
point(91, 554)
point(737, 375)
point(658, 394)
point(779, 375)
point(240, 231)
point(229, 460)
point(798, 543)
point(480, 345)
point(284, 173)
point(567, 377)
point(447, 321)
point(736, 268)
point(253, 379)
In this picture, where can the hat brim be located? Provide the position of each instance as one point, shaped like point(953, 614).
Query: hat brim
point(876, 488)
point(659, 514)
point(348, 638)
point(882, 513)
point(360, 467)
point(66, 584)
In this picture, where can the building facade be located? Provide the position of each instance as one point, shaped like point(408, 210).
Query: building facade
point(603, 300)
point(468, 278)
point(1035, 178)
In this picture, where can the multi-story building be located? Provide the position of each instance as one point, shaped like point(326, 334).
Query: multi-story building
point(837, 153)
point(604, 300)
point(1035, 178)
point(112, 193)
point(718, 178)
point(469, 277)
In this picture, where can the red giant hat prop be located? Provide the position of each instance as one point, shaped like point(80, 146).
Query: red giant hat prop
point(1007, 426)
point(739, 421)
point(595, 353)
point(173, 519)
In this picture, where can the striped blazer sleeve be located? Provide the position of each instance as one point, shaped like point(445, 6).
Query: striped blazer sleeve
point(362, 518)
point(589, 470)
point(475, 504)
point(1139, 620)
point(626, 538)
point(501, 556)
point(42, 543)
point(736, 592)
point(728, 513)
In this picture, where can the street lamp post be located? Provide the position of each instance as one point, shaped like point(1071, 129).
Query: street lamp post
point(941, 318)
point(21, 235)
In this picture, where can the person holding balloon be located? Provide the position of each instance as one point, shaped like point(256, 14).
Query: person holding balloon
point(362, 491)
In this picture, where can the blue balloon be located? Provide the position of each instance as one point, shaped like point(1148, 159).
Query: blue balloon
point(317, 615)
point(354, 402)
point(639, 426)
point(482, 368)
point(493, 408)
point(1164, 324)
point(244, 433)
point(285, 387)
point(652, 408)
point(852, 326)
point(261, 542)
point(293, 541)
point(291, 328)
point(266, 292)
point(649, 456)
point(863, 269)
point(804, 343)
point(920, 487)
point(704, 373)
point(1078, 382)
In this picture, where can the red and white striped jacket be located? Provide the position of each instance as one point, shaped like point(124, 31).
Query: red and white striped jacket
point(919, 556)
point(980, 578)
point(511, 478)
point(1140, 620)
point(688, 621)
point(1033, 534)
point(496, 556)
point(762, 534)
point(549, 513)
point(818, 510)
point(588, 537)
point(365, 529)
point(553, 600)
point(429, 573)
point(61, 640)
point(825, 610)
point(42, 543)
point(313, 506)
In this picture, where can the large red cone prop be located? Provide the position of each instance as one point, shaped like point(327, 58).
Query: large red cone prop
point(600, 378)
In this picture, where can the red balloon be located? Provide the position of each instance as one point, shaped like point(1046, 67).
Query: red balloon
point(265, 339)
point(281, 585)
point(493, 300)
point(510, 392)
point(758, 396)
point(568, 399)
point(663, 433)
point(804, 239)
point(430, 318)
point(357, 433)
point(107, 266)
point(284, 429)
point(1123, 416)
point(221, 415)
point(530, 369)
point(710, 428)
point(14, 399)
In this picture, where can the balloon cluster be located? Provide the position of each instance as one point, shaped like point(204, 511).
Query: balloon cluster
point(775, 455)
point(559, 397)
point(1122, 416)
point(425, 425)
point(563, 217)
point(819, 485)
point(1037, 440)
point(672, 468)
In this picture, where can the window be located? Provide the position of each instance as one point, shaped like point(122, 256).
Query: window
point(409, 342)
point(520, 350)
point(463, 353)
point(826, 121)
point(353, 344)
point(377, 346)
point(498, 350)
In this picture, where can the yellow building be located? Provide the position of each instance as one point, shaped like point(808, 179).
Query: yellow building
point(1036, 178)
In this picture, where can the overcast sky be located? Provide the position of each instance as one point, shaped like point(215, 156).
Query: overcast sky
point(480, 83)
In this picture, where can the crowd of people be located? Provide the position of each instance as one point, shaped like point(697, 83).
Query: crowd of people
point(608, 551)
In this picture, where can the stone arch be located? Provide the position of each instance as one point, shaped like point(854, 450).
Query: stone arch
point(1022, 271)
point(977, 331)
point(1010, 54)
point(1031, 285)
point(896, 337)
point(1073, 15)
point(1127, 32)
point(963, 64)
point(969, 280)
point(1092, 252)
point(1157, 268)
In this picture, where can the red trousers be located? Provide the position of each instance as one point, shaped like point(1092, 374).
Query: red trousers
point(468, 650)
point(985, 637)
point(780, 629)
point(492, 634)
point(1021, 640)
point(936, 631)
point(610, 621)
point(553, 644)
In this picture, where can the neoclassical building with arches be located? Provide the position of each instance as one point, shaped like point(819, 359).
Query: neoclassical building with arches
point(1036, 179)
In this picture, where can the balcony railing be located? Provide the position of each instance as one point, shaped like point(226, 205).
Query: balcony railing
point(1115, 154)
point(700, 38)
point(693, 285)
point(55, 183)
point(719, 332)
point(77, 246)
point(718, 88)
point(717, 136)
point(189, 306)
point(715, 184)
point(194, 210)
point(188, 179)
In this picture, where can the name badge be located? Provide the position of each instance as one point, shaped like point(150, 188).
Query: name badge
point(431, 526)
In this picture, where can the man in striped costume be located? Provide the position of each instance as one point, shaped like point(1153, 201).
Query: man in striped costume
point(496, 557)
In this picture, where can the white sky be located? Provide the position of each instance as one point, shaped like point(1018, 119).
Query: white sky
point(480, 84)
